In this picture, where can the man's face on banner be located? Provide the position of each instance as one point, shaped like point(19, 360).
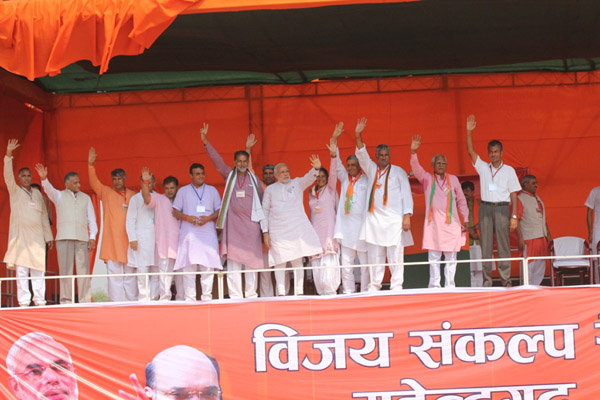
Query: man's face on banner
point(44, 371)
point(180, 375)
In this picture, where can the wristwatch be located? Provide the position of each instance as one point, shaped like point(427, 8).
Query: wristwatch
point(514, 216)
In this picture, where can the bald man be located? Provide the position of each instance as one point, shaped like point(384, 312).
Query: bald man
point(41, 368)
point(179, 372)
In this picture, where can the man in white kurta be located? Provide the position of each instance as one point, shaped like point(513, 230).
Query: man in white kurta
point(197, 206)
point(387, 219)
point(76, 231)
point(141, 253)
point(350, 217)
point(28, 232)
point(290, 234)
point(593, 217)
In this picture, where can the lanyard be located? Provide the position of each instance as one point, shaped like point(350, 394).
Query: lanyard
point(197, 195)
point(28, 194)
point(495, 173)
point(124, 195)
point(319, 191)
point(380, 174)
point(243, 182)
point(441, 185)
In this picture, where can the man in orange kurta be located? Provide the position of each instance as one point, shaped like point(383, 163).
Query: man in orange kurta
point(115, 201)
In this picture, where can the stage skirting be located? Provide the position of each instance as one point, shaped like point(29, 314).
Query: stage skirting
point(523, 344)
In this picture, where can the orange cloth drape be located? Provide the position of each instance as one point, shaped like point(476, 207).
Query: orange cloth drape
point(40, 37)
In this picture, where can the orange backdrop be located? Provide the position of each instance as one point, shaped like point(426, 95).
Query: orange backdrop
point(548, 122)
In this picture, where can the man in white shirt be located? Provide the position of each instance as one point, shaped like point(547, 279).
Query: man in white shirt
point(386, 229)
point(499, 186)
point(76, 231)
point(593, 217)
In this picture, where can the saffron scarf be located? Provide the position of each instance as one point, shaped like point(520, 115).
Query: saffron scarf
point(448, 201)
point(385, 189)
point(350, 192)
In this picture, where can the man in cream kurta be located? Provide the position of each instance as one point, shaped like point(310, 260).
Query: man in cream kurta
point(141, 254)
point(76, 231)
point(389, 208)
point(28, 232)
point(290, 234)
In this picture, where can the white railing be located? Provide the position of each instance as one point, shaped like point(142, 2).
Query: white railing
point(221, 274)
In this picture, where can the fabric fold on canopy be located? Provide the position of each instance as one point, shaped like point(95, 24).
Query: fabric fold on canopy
point(40, 37)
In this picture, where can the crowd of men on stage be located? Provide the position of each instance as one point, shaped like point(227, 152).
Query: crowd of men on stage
point(264, 224)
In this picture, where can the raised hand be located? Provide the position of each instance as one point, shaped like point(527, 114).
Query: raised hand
point(315, 161)
point(12, 145)
point(415, 144)
point(42, 171)
point(140, 393)
point(471, 124)
point(250, 142)
point(360, 126)
point(92, 156)
point(339, 129)
point(332, 146)
point(146, 175)
point(204, 133)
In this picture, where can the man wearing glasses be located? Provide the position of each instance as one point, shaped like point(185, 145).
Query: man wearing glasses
point(178, 373)
point(443, 232)
point(41, 368)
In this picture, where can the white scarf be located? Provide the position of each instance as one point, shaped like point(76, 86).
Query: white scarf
point(257, 211)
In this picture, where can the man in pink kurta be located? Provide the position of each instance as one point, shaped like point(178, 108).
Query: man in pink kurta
point(115, 243)
point(166, 229)
point(444, 200)
point(322, 201)
point(241, 241)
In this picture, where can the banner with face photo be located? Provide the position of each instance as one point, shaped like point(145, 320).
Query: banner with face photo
point(521, 344)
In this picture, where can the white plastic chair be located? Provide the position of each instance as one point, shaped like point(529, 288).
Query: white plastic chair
point(570, 246)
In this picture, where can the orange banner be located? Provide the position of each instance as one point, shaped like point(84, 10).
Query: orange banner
point(479, 344)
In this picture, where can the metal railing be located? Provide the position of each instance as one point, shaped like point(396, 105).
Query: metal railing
point(222, 274)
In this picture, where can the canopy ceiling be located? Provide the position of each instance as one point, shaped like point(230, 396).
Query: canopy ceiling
point(352, 40)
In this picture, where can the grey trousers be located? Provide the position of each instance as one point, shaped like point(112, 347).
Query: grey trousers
point(495, 220)
point(76, 252)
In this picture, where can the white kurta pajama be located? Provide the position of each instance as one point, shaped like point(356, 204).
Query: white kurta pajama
point(323, 205)
point(382, 229)
point(140, 227)
point(291, 234)
point(348, 225)
point(28, 232)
